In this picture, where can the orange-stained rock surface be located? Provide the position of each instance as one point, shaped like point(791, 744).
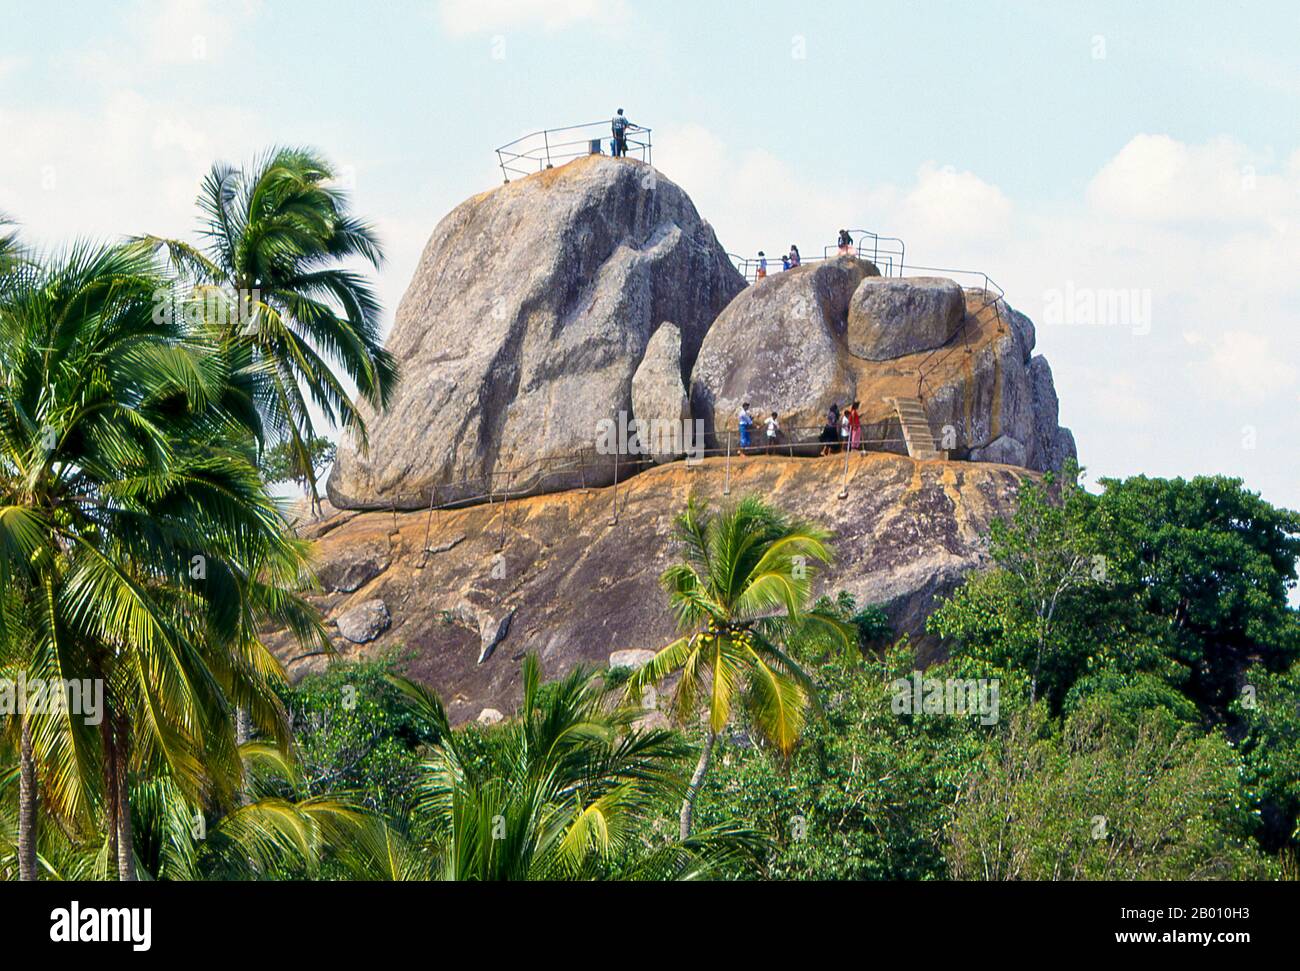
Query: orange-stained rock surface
point(552, 574)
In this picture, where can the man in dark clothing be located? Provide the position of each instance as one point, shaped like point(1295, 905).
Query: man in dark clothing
point(620, 126)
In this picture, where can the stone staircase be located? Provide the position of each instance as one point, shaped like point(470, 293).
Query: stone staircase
point(916, 428)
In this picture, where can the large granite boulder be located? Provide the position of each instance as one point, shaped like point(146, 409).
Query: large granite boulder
point(780, 346)
point(983, 395)
point(660, 405)
point(892, 317)
point(527, 318)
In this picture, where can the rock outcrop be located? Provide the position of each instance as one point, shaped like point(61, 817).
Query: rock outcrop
point(528, 316)
point(894, 317)
point(798, 343)
point(551, 575)
point(659, 401)
point(780, 346)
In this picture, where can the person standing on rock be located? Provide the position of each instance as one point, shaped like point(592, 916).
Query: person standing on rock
point(830, 431)
point(846, 241)
point(794, 255)
point(619, 126)
point(762, 266)
point(746, 425)
point(855, 427)
point(773, 432)
point(785, 263)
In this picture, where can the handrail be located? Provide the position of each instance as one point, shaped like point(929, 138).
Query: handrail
point(537, 150)
point(880, 250)
point(994, 295)
point(520, 482)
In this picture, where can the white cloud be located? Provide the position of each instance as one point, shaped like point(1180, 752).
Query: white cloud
point(12, 64)
point(1157, 179)
point(126, 165)
point(1245, 365)
point(946, 203)
point(474, 16)
point(179, 31)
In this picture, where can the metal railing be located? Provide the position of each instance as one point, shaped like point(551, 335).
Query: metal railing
point(888, 253)
point(993, 296)
point(588, 468)
point(545, 149)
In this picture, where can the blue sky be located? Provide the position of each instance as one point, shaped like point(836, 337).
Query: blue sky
point(1076, 152)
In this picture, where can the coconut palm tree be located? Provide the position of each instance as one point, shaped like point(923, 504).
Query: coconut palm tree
point(741, 593)
point(297, 322)
point(138, 537)
point(572, 784)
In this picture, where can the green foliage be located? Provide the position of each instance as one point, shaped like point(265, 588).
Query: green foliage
point(279, 234)
point(1269, 708)
point(283, 462)
point(1210, 564)
point(1107, 795)
point(354, 733)
point(568, 789)
point(1180, 582)
point(867, 794)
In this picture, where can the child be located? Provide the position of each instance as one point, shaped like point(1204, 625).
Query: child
point(773, 430)
point(746, 425)
point(785, 263)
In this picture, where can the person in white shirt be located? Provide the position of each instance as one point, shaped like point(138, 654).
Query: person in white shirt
point(773, 431)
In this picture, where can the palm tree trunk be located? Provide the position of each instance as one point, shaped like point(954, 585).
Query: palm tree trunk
point(697, 780)
point(110, 785)
point(243, 735)
point(27, 797)
point(125, 837)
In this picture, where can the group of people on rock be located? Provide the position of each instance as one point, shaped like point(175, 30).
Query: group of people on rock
point(843, 429)
point(771, 428)
point(790, 260)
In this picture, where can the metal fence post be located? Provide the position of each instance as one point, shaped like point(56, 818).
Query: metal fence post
point(844, 488)
point(726, 481)
point(505, 511)
point(613, 516)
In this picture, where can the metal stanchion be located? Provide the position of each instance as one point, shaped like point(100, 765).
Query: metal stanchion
point(726, 481)
point(505, 511)
point(428, 526)
point(844, 487)
point(613, 518)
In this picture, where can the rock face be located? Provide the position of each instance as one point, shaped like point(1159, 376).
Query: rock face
point(796, 346)
point(890, 318)
point(780, 346)
point(550, 575)
point(659, 400)
point(364, 622)
point(528, 316)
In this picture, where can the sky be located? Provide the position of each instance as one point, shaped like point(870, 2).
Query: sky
point(1129, 174)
